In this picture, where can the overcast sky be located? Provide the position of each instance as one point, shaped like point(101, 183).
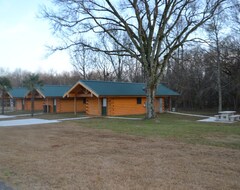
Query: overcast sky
point(23, 37)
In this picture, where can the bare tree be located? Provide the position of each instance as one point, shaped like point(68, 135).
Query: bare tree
point(215, 32)
point(103, 67)
point(149, 27)
point(235, 14)
point(134, 71)
point(118, 61)
point(82, 60)
point(5, 85)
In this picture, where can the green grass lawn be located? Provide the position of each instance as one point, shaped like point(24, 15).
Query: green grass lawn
point(174, 127)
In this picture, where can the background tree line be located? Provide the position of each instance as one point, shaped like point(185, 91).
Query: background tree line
point(203, 64)
point(192, 71)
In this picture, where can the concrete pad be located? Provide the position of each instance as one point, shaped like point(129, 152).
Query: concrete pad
point(6, 116)
point(213, 119)
point(210, 119)
point(24, 122)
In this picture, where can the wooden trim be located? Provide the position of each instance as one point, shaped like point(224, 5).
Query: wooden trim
point(40, 93)
point(80, 95)
point(67, 94)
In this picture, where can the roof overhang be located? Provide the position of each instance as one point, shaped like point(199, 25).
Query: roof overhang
point(9, 94)
point(38, 91)
point(67, 94)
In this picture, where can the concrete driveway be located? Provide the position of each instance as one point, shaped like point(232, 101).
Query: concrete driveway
point(4, 187)
point(31, 121)
point(24, 122)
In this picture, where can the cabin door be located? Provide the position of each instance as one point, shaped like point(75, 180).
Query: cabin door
point(54, 105)
point(23, 104)
point(104, 106)
point(161, 105)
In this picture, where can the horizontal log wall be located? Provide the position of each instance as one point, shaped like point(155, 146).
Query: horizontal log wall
point(18, 104)
point(93, 106)
point(125, 106)
point(115, 105)
point(67, 105)
point(38, 104)
point(63, 105)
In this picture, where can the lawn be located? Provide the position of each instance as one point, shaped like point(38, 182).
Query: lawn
point(170, 152)
point(174, 127)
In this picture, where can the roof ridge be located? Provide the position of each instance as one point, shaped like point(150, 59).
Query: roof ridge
point(119, 82)
point(56, 85)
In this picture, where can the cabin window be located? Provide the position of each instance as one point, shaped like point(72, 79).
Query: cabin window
point(84, 100)
point(139, 100)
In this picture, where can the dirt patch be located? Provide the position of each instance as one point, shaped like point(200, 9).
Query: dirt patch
point(67, 156)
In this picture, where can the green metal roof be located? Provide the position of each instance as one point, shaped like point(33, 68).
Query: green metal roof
point(99, 88)
point(18, 92)
point(103, 88)
point(46, 91)
point(54, 90)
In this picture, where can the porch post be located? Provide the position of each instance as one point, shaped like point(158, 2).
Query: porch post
point(75, 106)
point(170, 103)
point(47, 106)
point(99, 107)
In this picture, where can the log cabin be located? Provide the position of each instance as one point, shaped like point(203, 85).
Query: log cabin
point(48, 98)
point(18, 96)
point(118, 98)
point(99, 98)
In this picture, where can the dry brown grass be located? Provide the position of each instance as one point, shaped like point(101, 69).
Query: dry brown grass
point(67, 156)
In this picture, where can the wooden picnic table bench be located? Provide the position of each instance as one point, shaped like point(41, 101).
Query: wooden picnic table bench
point(234, 118)
point(227, 116)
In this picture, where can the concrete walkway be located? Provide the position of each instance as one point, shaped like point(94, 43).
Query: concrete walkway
point(75, 118)
point(126, 118)
point(194, 115)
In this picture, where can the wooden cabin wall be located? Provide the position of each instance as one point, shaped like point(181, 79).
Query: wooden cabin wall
point(93, 106)
point(125, 106)
point(38, 104)
point(67, 105)
point(18, 104)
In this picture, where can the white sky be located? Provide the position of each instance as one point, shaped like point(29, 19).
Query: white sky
point(23, 38)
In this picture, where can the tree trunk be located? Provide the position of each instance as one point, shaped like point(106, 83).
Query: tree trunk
point(150, 93)
point(2, 103)
point(32, 104)
point(219, 68)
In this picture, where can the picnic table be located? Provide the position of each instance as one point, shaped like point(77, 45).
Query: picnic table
point(227, 116)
